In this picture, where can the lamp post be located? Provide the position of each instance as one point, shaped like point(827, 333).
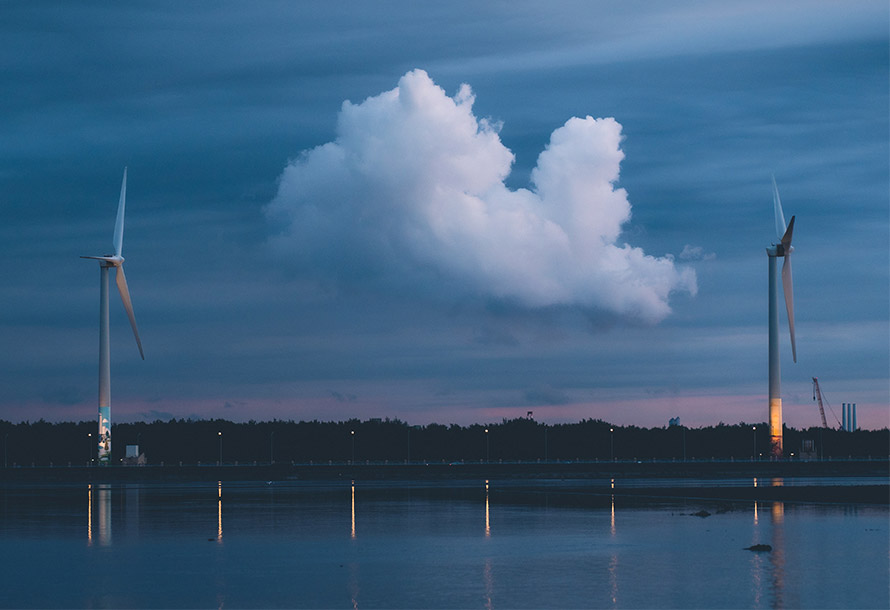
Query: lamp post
point(89, 448)
point(487, 447)
point(352, 435)
point(612, 444)
point(754, 455)
point(219, 434)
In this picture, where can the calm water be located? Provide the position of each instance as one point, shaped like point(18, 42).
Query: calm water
point(463, 546)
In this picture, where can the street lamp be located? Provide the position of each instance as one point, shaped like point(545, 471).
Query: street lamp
point(612, 444)
point(487, 447)
point(89, 448)
point(219, 434)
point(352, 435)
point(754, 455)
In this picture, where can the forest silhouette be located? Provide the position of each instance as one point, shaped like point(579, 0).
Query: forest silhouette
point(43, 443)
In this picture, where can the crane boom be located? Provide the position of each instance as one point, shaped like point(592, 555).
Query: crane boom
point(817, 394)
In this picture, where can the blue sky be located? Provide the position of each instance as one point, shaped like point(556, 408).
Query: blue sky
point(270, 281)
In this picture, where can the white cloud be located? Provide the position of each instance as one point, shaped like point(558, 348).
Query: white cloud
point(412, 191)
point(696, 253)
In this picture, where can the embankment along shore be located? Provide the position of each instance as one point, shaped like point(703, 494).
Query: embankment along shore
point(844, 481)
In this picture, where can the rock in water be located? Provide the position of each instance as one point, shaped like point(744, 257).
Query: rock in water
point(759, 548)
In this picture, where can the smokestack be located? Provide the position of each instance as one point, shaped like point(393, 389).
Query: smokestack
point(844, 416)
point(853, 427)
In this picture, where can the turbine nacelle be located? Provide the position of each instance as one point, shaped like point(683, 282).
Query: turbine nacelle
point(108, 260)
point(775, 250)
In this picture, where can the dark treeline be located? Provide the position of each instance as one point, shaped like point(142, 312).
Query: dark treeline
point(207, 441)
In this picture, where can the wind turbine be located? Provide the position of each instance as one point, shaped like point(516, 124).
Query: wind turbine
point(782, 249)
point(111, 261)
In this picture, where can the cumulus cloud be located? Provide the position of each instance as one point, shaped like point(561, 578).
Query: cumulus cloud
point(412, 190)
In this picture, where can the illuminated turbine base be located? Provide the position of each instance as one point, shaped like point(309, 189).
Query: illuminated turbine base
point(104, 452)
point(775, 427)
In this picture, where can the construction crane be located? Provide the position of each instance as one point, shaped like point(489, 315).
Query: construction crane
point(817, 395)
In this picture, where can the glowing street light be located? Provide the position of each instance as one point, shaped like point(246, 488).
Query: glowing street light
point(612, 444)
point(487, 447)
point(352, 435)
point(219, 434)
point(89, 448)
point(754, 455)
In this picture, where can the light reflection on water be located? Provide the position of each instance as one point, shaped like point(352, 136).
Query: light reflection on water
point(219, 512)
point(90, 514)
point(777, 556)
point(352, 488)
point(288, 545)
point(487, 513)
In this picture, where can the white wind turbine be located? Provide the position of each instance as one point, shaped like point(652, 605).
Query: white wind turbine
point(781, 249)
point(107, 262)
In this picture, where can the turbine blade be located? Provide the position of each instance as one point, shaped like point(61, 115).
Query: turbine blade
point(786, 238)
point(125, 297)
point(119, 221)
point(777, 206)
point(788, 288)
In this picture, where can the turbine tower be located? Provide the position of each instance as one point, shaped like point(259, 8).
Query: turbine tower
point(111, 261)
point(782, 249)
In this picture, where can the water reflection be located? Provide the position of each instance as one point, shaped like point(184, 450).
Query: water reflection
point(353, 585)
point(757, 565)
point(353, 582)
point(613, 579)
point(768, 568)
point(488, 579)
point(103, 499)
point(613, 560)
point(352, 535)
point(487, 521)
point(219, 512)
point(777, 557)
point(90, 514)
point(421, 547)
point(487, 576)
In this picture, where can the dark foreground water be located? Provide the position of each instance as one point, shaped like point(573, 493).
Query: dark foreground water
point(455, 545)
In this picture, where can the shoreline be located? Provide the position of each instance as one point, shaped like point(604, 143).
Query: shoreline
point(586, 478)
